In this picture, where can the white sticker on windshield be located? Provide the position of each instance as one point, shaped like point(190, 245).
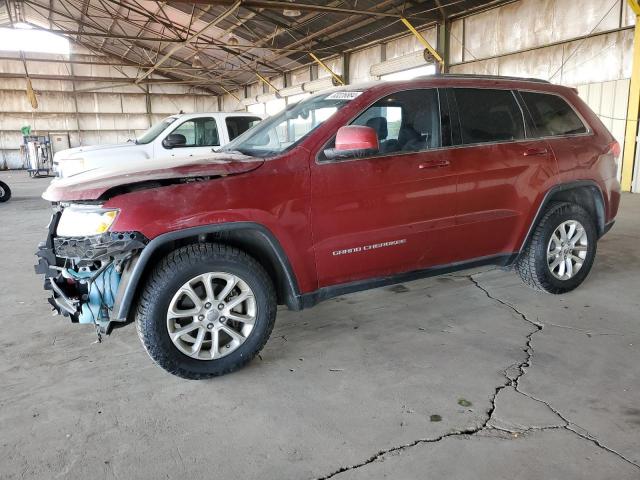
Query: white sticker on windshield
point(343, 95)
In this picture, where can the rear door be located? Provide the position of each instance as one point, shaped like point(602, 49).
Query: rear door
point(390, 212)
point(500, 169)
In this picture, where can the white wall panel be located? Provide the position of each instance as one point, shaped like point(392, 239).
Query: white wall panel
point(609, 101)
point(597, 59)
point(360, 64)
point(300, 76)
point(409, 44)
point(231, 104)
point(334, 63)
point(456, 42)
point(10, 158)
point(171, 104)
point(534, 23)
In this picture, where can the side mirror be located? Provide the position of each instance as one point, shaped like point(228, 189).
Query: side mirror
point(174, 140)
point(354, 141)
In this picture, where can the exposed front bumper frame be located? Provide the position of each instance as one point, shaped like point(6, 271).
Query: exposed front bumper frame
point(73, 268)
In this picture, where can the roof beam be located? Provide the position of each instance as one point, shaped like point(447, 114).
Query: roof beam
point(280, 5)
point(189, 39)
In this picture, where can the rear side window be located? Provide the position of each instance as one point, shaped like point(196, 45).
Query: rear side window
point(238, 125)
point(488, 115)
point(552, 115)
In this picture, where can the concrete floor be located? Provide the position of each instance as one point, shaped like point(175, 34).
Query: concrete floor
point(465, 376)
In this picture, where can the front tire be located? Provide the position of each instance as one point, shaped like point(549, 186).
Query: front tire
point(561, 251)
point(206, 310)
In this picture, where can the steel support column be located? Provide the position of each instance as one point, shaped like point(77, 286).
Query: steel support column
point(443, 44)
point(633, 110)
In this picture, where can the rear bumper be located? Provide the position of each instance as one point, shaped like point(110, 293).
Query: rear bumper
point(607, 227)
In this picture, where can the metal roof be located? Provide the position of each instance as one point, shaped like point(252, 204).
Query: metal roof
point(224, 44)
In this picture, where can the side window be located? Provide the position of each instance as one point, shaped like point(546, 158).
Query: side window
point(488, 115)
point(198, 132)
point(238, 125)
point(552, 115)
point(406, 121)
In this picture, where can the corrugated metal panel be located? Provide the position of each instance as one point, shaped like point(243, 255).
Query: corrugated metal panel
point(409, 44)
point(334, 63)
point(360, 64)
point(533, 23)
point(455, 41)
point(170, 104)
point(300, 76)
point(596, 59)
point(609, 100)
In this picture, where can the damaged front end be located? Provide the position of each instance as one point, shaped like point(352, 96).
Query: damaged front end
point(84, 271)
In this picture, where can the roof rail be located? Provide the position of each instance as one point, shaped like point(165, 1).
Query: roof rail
point(482, 77)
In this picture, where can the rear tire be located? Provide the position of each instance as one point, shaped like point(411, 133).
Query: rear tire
point(187, 308)
point(561, 251)
point(5, 192)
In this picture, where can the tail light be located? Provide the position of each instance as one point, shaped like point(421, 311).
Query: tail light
point(614, 149)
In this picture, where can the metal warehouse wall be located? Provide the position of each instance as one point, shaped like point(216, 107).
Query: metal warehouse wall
point(102, 115)
point(586, 44)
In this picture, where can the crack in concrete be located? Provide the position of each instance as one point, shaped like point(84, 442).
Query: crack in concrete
point(510, 381)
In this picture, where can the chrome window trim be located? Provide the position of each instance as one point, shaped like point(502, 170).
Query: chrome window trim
point(527, 139)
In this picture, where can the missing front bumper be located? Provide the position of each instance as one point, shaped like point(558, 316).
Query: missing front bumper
point(84, 273)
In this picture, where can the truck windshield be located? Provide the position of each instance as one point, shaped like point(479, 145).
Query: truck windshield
point(286, 129)
point(151, 134)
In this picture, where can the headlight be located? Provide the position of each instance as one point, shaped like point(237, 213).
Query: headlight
point(82, 221)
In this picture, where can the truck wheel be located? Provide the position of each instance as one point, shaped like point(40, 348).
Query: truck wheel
point(206, 310)
point(5, 192)
point(561, 251)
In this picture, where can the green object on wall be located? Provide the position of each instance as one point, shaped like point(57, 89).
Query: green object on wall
point(26, 130)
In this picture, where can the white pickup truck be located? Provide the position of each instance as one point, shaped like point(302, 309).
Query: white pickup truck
point(183, 136)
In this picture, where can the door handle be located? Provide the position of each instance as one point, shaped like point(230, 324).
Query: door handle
point(434, 164)
point(534, 152)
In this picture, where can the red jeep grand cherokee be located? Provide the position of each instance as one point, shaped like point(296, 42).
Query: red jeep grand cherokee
point(352, 189)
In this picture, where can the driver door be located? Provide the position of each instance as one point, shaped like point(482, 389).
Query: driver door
point(201, 137)
point(393, 211)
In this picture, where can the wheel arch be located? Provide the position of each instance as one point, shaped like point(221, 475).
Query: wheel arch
point(585, 193)
point(253, 238)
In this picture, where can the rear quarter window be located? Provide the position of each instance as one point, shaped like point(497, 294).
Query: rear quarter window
point(552, 115)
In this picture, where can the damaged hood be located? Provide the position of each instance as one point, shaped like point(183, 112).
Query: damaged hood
point(92, 184)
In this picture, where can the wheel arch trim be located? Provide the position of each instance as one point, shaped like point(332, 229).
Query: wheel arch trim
point(563, 187)
point(140, 265)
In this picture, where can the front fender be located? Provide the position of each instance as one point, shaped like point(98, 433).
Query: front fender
point(134, 273)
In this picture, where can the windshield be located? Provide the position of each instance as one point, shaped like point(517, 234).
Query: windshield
point(284, 130)
point(151, 134)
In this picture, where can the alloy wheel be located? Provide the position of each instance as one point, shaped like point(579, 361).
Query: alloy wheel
point(211, 315)
point(567, 250)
